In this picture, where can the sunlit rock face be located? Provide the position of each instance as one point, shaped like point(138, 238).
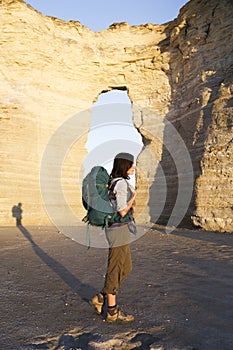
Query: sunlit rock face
point(179, 79)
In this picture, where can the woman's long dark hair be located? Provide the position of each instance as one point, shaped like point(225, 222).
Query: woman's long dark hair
point(122, 163)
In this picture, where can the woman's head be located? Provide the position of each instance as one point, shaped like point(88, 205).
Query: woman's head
point(123, 162)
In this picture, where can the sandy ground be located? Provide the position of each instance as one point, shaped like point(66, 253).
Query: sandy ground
point(180, 291)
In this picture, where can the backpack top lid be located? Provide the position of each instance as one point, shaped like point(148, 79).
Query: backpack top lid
point(100, 175)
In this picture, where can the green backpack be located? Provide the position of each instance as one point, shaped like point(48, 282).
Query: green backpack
point(96, 196)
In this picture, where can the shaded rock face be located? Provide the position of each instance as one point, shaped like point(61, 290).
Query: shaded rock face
point(201, 107)
point(179, 79)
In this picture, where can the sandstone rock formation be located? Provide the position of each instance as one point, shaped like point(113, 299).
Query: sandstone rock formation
point(177, 74)
point(201, 108)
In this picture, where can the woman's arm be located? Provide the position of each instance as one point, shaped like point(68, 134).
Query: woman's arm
point(129, 204)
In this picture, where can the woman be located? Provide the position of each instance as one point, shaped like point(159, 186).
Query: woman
point(118, 236)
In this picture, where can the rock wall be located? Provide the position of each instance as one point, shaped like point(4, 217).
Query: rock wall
point(178, 72)
point(201, 57)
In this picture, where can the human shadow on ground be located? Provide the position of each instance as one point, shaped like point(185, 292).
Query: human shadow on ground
point(84, 291)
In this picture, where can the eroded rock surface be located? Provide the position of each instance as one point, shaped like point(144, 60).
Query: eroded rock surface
point(179, 72)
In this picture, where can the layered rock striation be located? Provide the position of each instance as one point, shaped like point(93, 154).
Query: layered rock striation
point(201, 57)
point(179, 79)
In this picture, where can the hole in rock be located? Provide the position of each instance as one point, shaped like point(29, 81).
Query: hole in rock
point(111, 131)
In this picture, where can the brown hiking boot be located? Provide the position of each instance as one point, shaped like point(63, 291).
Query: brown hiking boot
point(98, 302)
point(116, 315)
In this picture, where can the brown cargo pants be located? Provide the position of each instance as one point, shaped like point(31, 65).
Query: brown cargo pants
point(119, 258)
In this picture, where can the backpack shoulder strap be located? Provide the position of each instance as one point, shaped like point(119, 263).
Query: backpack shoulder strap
point(114, 182)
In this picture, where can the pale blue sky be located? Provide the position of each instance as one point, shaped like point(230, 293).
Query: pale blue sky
point(98, 15)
